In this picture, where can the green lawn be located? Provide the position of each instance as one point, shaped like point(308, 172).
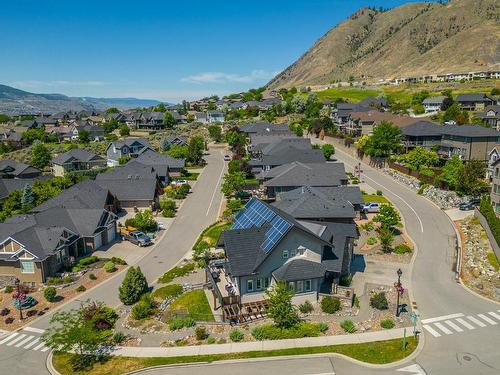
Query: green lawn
point(492, 258)
point(378, 352)
point(211, 234)
point(367, 198)
point(192, 304)
point(347, 93)
point(177, 272)
point(191, 176)
point(251, 181)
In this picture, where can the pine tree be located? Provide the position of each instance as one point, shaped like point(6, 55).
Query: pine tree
point(28, 198)
point(134, 285)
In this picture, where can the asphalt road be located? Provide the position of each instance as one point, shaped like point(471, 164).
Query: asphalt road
point(198, 211)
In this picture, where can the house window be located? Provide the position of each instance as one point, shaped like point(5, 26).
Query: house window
point(300, 286)
point(291, 285)
point(285, 254)
point(293, 252)
point(308, 285)
point(27, 267)
point(266, 282)
point(258, 285)
point(249, 285)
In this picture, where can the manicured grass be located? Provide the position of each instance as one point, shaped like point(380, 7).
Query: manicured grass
point(192, 304)
point(211, 234)
point(171, 290)
point(192, 176)
point(194, 167)
point(492, 258)
point(378, 352)
point(176, 272)
point(251, 181)
point(347, 93)
point(367, 198)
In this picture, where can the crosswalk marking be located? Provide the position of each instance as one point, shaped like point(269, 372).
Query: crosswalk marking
point(444, 317)
point(454, 326)
point(477, 321)
point(39, 346)
point(21, 343)
point(487, 319)
point(465, 323)
point(443, 328)
point(8, 338)
point(32, 343)
point(432, 331)
point(44, 349)
point(12, 342)
point(33, 329)
point(494, 314)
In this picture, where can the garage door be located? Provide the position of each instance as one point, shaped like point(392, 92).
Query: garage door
point(111, 233)
point(97, 241)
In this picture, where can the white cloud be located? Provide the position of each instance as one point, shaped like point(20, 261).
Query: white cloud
point(220, 77)
point(33, 84)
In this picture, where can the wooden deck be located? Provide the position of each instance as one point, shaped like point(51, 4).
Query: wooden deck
point(246, 312)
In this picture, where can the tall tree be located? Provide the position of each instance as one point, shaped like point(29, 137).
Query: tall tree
point(233, 182)
point(40, 155)
point(28, 198)
point(196, 146)
point(168, 120)
point(134, 285)
point(471, 177)
point(386, 139)
point(280, 307)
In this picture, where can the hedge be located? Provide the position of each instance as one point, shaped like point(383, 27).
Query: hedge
point(493, 221)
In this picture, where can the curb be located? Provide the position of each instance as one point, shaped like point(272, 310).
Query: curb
point(48, 364)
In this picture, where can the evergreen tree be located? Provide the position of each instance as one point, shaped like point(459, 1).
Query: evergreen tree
point(134, 285)
point(280, 307)
point(28, 198)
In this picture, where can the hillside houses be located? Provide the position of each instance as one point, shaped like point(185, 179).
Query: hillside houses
point(76, 160)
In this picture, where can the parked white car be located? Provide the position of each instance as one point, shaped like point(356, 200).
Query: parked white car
point(179, 182)
point(370, 208)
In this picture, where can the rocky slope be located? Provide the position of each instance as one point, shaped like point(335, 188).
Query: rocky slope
point(413, 39)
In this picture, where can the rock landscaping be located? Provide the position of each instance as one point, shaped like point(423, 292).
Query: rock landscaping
point(480, 268)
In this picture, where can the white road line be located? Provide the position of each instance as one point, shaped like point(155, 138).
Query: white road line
point(33, 329)
point(443, 328)
point(45, 349)
point(12, 342)
point(39, 346)
point(390, 191)
point(487, 319)
point(8, 338)
point(32, 343)
point(216, 189)
point(415, 369)
point(444, 317)
point(454, 326)
point(477, 321)
point(432, 331)
point(465, 323)
point(21, 343)
point(494, 314)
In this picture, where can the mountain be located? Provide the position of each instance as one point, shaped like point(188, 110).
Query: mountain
point(14, 101)
point(410, 40)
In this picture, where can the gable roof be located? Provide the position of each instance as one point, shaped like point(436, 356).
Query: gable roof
point(300, 268)
point(130, 142)
point(76, 154)
point(427, 128)
point(264, 127)
point(8, 185)
point(288, 154)
point(305, 174)
point(153, 158)
point(14, 167)
point(434, 99)
point(476, 97)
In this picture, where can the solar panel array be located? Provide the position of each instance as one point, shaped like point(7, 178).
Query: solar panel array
point(256, 214)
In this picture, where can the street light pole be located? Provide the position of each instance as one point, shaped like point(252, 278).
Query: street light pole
point(18, 285)
point(398, 288)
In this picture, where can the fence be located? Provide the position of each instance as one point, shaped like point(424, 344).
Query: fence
point(489, 233)
point(422, 177)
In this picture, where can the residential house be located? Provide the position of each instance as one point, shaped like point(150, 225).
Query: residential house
point(95, 120)
point(491, 116)
point(341, 114)
point(134, 185)
point(466, 141)
point(291, 176)
point(378, 103)
point(96, 132)
point(14, 169)
point(118, 117)
point(264, 127)
point(163, 165)
point(13, 136)
point(493, 156)
point(364, 122)
point(43, 121)
point(266, 245)
point(30, 124)
point(131, 118)
point(150, 121)
point(60, 117)
point(175, 140)
point(215, 116)
point(475, 102)
point(434, 103)
point(200, 117)
point(179, 119)
point(76, 159)
point(127, 148)
point(495, 186)
point(9, 185)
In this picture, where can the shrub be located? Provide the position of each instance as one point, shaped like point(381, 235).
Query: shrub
point(356, 302)
point(59, 280)
point(379, 301)
point(119, 261)
point(348, 326)
point(211, 340)
point(81, 288)
point(345, 280)
point(50, 293)
point(330, 305)
point(272, 332)
point(402, 249)
point(143, 221)
point(371, 240)
point(387, 324)
point(9, 289)
point(221, 341)
point(379, 192)
point(4, 312)
point(168, 291)
point(92, 276)
point(144, 308)
point(181, 322)
point(323, 327)
point(118, 337)
point(235, 335)
point(200, 333)
point(109, 267)
point(168, 213)
point(168, 204)
point(134, 285)
point(367, 227)
point(306, 307)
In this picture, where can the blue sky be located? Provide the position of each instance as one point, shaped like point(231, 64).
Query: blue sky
point(162, 50)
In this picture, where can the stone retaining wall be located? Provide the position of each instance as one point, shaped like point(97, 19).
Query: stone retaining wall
point(491, 238)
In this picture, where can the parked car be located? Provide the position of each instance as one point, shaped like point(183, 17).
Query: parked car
point(470, 204)
point(179, 182)
point(135, 236)
point(227, 158)
point(243, 195)
point(370, 208)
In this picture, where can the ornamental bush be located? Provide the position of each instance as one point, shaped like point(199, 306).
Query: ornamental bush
point(402, 249)
point(348, 326)
point(50, 293)
point(109, 267)
point(379, 301)
point(387, 324)
point(181, 322)
point(235, 335)
point(201, 333)
point(306, 307)
point(134, 285)
point(330, 305)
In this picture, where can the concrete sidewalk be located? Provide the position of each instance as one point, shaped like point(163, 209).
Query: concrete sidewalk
point(239, 347)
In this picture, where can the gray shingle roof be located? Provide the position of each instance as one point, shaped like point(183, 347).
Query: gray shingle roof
point(427, 128)
point(130, 190)
point(77, 155)
point(265, 128)
point(152, 158)
point(305, 174)
point(8, 185)
point(300, 269)
point(289, 154)
point(434, 100)
point(13, 167)
point(477, 97)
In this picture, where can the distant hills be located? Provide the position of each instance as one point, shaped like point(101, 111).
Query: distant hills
point(411, 40)
point(14, 101)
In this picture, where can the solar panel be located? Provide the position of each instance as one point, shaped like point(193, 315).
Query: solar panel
point(256, 214)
